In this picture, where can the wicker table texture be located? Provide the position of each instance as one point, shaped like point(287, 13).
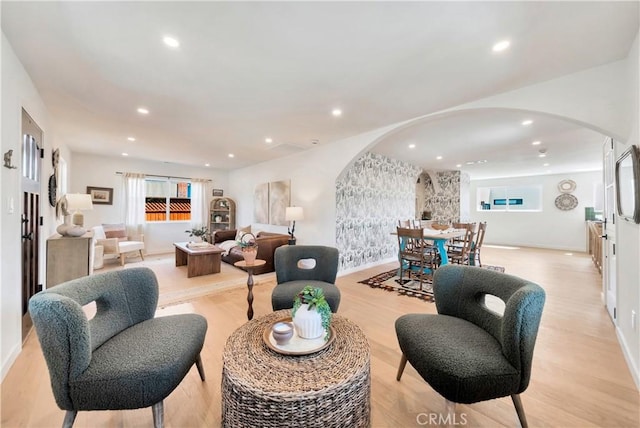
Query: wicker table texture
point(262, 388)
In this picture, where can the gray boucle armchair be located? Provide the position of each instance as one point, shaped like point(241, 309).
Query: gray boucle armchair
point(123, 358)
point(468, 352)
point(293, 274)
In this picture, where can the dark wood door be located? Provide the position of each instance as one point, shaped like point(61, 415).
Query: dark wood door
point(31, 166)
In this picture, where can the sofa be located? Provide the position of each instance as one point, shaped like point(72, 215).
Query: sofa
point(267, 244)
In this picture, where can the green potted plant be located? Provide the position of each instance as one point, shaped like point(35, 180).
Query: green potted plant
point(199, 232)
point(311, 313)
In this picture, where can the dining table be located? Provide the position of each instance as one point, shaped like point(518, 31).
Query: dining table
point(440, 238)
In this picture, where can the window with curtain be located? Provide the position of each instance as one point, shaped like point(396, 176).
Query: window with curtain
point(133, 189)
point(199, 206)
point(167, 200)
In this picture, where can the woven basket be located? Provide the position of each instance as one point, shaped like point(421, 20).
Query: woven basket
point(262, 388)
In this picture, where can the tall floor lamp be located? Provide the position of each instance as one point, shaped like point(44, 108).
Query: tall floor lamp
point(292, 214)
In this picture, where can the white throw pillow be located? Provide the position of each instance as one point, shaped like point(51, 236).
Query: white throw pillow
point(242, 231)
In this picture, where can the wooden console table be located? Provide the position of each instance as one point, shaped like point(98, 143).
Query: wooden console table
point(199, 260)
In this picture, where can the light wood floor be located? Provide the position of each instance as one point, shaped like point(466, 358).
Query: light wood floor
point(579, 377)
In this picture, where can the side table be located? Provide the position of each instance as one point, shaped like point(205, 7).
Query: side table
point(327, 389)
point(249, 268)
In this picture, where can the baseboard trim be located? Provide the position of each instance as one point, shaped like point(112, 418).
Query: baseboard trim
point(366, 266)
point(8, 363)
point(635, 374)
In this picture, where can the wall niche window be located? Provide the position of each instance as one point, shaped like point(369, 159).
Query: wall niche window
point(509, 198)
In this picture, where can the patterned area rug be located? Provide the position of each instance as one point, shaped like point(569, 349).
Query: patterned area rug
point(390, 281)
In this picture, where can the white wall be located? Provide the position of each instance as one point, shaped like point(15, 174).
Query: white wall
point(550, 228)
point(100, 171)
point(17, 92)
point(313, 175)
point(628, 243)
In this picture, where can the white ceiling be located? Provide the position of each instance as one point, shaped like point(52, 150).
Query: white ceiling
point(245, 71)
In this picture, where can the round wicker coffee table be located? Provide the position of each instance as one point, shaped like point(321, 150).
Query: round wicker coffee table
point(263, 388)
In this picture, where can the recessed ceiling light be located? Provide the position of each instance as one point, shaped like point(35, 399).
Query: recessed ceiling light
point(469, 162)
point(545, 164)
point(500, 46)
point(231, 155)
point(535, 143)
point(336, 112)
point(459, 165)
point(542, 155)
point(268, 140)
point(125, 154)
point(412, 146)
point(439, 157)
point(143, 110)
point(207, 164)
point(172, 42)
point(131, 139)
point(527, 122)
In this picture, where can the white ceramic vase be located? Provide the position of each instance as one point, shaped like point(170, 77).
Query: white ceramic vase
point(308, 323)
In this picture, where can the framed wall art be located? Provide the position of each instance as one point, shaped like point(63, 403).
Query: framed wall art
point(101, 195)
point(279, 200)
point(261, 203)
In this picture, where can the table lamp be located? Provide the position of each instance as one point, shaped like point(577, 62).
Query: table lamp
point(76, 203)
point(292, 214)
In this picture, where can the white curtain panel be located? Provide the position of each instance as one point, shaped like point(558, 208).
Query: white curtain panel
point(199, 204)
point(133, 189)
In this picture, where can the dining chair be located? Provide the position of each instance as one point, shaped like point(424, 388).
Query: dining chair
point(407, 224)
point(418, 260)
point(460, 251)
point(477, 245)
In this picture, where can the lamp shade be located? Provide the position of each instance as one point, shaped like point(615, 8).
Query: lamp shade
point(294, 213)
point(78, 202)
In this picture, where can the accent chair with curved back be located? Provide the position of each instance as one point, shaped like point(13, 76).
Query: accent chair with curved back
point(122, 358)
point(294, 271)
point(471, 351)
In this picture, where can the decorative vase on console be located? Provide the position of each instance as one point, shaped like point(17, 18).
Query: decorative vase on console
point(70, 230)
point(311, 313)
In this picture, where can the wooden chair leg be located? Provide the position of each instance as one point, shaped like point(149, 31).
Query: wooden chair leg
point(200, 367)
point(403, 363)
point(121, 259)
point(158, 415)
point(141, 255)
point(69, 418)
point(519, 409)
